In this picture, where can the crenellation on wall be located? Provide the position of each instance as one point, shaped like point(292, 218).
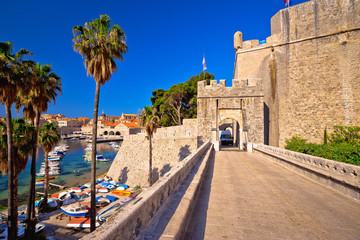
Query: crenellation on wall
point(240, 87)
point(250, 44)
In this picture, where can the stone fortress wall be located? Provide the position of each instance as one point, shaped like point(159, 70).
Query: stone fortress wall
point(309, 68)
point(170, 146)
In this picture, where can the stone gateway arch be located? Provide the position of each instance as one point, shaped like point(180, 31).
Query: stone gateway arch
point(240, 106)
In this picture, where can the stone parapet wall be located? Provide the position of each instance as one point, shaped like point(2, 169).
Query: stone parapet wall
point(170, 146)
point(132, 219)
point(343, 177)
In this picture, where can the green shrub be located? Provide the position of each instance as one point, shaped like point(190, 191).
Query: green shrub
point(296, 143)
point(345, 134)
point(343, 146)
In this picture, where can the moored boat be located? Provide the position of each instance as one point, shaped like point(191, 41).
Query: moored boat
point(121, 192)
point(75, 210)
point(42, 179)
point(81, 222)
point(75, 189)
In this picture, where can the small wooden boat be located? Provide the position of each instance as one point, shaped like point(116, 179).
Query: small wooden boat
point(81, 222)
point(55, 195)
point(75, 189)
point(121, 192)
point(75, 210)
point(111, 198)
point(64, 195)
point(39, 183)
point(42, 179)
point(102, 189)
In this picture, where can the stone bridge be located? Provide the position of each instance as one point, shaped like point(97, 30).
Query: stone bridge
point(270, 193)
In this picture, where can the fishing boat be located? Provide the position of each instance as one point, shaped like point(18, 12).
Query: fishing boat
point(66, 198)
point(75, 210)
point(102, 189)
point(121, 192)
point(101, 201)
point(98, 158)
point(55, 195)
point(39, 183)
point(42, 179)
point(75, 189)
point(81, 222)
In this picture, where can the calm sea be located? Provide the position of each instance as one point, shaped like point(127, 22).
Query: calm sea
point(74, 170)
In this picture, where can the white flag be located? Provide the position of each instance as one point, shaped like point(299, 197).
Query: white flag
point(204, 63)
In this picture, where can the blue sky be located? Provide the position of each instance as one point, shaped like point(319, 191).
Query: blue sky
point(166, 40)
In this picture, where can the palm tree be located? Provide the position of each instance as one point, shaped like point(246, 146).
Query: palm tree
point(43, 88)
point(12, 81)
point(23, 140)
point(149, 120)
point(100, 44)
point(48, 138)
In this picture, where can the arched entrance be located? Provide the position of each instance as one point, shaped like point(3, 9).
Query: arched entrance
point(111, 133)
point(229, 134)
point(105, 133)
point(117, 133)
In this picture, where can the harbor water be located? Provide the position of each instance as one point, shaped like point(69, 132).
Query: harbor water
point(74, 169)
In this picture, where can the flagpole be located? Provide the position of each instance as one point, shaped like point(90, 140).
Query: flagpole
point(203, 64)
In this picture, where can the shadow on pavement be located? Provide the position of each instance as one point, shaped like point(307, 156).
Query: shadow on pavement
point(197, 223)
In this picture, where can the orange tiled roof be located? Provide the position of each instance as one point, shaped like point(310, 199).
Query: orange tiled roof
point(110, 124)
point(83, 118)
point(131, 125)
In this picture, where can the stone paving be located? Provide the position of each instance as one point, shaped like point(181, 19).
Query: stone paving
point(247, 197)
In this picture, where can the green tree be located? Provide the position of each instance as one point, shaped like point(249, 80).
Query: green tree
point(149, 120)
point(12, 82)
point(325, 136)
point(44, 86)
point(100, 44)
point(178, 102)
point(23, 139)
point(48, 138)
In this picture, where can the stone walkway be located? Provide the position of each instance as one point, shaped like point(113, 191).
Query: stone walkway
point(247, 197)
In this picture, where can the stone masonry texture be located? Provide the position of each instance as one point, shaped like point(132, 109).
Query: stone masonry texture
point(316, 46)
point(170, 146)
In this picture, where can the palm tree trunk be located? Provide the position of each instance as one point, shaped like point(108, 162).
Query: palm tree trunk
point(150, 161)
point(16, 199)
point(46, 181)
point(30, 214)
point(12, 212)
point(93, 158)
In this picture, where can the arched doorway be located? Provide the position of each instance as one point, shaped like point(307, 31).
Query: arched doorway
point(111, 133)
point(117, 133)
point(105, 133)
point(229, 133)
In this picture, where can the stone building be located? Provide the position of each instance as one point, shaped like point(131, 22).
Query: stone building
point(69, 125)
point(305, 78)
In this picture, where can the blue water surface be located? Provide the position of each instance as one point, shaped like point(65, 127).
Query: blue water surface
point(74, 170)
